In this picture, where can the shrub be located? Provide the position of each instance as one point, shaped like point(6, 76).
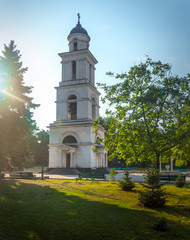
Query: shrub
point(113, 173)
point(160, 225)
point(180, 182)
point(78, 179)
point(153, 196)
point(126, 185)
point(92, 180)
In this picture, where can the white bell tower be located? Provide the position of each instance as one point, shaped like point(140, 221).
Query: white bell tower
point(77, 106)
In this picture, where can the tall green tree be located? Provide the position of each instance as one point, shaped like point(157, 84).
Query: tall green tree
point(147, 117)
point(16, 123)
point(40, 148)
point(181, 152)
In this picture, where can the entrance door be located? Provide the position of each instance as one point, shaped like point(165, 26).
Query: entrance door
point(68, 160)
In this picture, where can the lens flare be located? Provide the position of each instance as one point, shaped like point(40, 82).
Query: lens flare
point(3, 91)
point(3, 87)
point(13, 96)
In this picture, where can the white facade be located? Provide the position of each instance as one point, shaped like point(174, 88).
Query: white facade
point(77, 106)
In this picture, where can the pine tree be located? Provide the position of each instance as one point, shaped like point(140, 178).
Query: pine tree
point(127, 184)
point(16, 124)
point(154, 195)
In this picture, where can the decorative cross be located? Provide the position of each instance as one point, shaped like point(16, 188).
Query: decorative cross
point(78, 17)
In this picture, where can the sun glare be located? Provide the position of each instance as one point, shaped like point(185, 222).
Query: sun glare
point(3, 85)
point(12, 96)
point(3, 91)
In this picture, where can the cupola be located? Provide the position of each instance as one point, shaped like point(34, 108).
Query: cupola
point(78, 37)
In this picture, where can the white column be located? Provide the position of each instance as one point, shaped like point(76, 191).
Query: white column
point(62, 74)
point(99, 159)
point(86, 70)
point(103, 160)
point(71, 163)
point(96, 159)
point(93, 74)
point(62, 158)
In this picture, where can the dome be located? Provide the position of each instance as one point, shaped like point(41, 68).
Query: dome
point(79, 29)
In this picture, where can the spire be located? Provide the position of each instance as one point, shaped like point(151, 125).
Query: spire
point(78, 18)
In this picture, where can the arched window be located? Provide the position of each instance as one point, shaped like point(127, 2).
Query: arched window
point(74, 70)
point(69, 139)
point(72, 108)
point(75, 46)
point(93, 109)
point(72, 97)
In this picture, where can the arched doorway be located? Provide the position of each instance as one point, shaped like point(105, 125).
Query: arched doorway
point(69, 148)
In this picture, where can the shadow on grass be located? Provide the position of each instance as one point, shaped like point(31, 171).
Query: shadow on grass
point(32, 211)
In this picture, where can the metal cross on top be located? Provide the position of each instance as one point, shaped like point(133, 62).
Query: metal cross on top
point(78, 17)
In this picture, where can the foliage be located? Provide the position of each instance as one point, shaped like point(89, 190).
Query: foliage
point(104, 122)
point(40, 147)
point(16, 124)
point(98, 124)
point(113, 173)
point(180, 182)
point(79, 178)
point(149, 113)
point(29, 161)
point(161, 224)
point(94, 149)
point(153, 196)
point(181, 152)
point(93, 180)
point(126, 185)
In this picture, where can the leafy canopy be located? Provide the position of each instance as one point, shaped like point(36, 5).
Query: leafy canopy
point(148, 112)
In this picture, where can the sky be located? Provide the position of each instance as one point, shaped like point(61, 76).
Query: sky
point(122, 33)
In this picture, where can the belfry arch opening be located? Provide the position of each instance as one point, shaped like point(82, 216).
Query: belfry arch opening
point(72, 108)
point(74, 70)
point(72, 97)
point(75, 46)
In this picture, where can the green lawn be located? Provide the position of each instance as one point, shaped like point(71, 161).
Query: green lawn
point(64, 210)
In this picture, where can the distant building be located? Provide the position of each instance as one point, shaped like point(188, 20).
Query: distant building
point(77, 106)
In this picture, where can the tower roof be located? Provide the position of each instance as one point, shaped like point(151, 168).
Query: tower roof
point(78, 28)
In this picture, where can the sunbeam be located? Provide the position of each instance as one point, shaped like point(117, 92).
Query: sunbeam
point(12, 96)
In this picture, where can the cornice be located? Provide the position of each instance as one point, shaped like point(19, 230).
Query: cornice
point(78, 52)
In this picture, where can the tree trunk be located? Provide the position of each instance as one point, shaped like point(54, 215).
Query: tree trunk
point(158, 161)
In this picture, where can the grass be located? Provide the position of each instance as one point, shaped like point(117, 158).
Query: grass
point(58, 210)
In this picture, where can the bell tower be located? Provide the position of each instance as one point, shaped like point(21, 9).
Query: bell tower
point(77, 106)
